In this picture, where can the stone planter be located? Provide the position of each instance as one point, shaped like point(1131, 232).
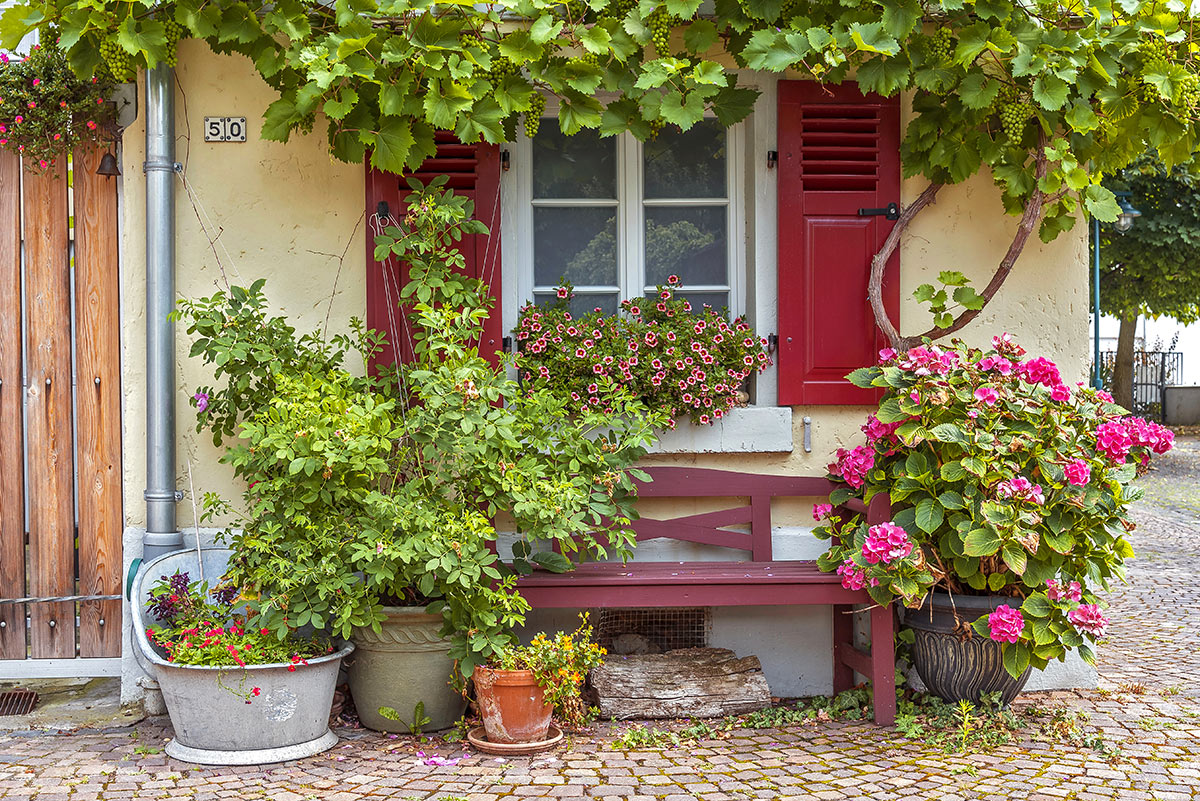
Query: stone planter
point(952, 668)
point(214, 724)
point(407, 662)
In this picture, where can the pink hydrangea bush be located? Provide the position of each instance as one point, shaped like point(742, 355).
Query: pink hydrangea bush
point(1005, 480)
point(679, 360)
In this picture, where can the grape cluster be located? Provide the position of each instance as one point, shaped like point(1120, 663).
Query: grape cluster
point(618, 9)
point(1014, 111)
point(502, 67)
point(1188, 93)
point(941, 46)
point(656, 126)
point(1156, 57)
point(661, 23)
point(119, 63)
point(591, 59)
point(174, 32)
point(533, 117)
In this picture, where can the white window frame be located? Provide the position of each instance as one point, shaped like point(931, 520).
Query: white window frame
point(517, 221)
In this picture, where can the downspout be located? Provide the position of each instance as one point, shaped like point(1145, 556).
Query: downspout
point(162, 535)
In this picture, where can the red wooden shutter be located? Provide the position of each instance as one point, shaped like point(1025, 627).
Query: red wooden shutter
point(839, 152)
point(474, 171)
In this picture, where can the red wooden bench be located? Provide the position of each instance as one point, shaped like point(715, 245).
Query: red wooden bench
point(756, 582)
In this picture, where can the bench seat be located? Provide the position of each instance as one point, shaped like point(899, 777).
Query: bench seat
point(759, 581)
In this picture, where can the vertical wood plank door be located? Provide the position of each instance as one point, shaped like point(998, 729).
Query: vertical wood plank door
point(49, 448)
point(97, 404)
point(12, 458)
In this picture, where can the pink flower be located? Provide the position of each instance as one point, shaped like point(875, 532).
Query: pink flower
point(36, 81)
point(1063, 592)
point(201, 399)
point(853, 577)
point(852, 466)
point(1020, 489)
point(989, 395)
point(1004, 343)
point(1041, 371)
point(887, 543)
point(1006, 624)
point(561, 292)
point(875, 430)
point(1104, 396)
point(1113, 440)
point(886, 355)
point(672, 279)
point(1060, 393)
point(1146, 434)
point(18, 119)
point(1078, 472)
point(822, 511)
point(1088, 618)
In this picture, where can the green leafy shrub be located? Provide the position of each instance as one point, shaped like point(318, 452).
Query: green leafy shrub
point(363, 488)
point(1005, 481)
point(678, 360)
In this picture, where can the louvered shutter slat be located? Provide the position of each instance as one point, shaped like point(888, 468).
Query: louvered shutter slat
point(838, 152)
point(474, 172)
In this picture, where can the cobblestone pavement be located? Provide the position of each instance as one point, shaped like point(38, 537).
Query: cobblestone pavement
point(1147, 709)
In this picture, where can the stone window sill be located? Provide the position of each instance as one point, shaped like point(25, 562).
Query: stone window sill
point(752, 429)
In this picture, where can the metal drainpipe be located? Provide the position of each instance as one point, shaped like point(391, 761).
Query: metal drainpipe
point(161, 496)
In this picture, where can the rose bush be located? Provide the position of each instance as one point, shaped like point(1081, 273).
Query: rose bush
point(1007, 482)
point(676, 359)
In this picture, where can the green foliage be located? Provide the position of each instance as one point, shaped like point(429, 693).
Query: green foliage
point(560, 664)
point(955, 293)
point(966, 728)
point(361, 489)
point(46, 111)
point(1154, 267)
point(1100, 82)
point(676, 359)
point(1003, 481)
point(419, 719)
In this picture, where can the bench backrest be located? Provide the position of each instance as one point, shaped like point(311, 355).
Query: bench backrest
point(711, 528)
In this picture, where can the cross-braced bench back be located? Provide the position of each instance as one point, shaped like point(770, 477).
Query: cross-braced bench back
point(712, 528)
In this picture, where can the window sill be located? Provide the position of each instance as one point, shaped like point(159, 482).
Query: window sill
point(753, 429)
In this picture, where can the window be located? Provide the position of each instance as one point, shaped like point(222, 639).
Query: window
point(615, 217)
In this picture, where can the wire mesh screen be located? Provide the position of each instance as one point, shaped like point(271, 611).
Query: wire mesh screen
point(652, 631)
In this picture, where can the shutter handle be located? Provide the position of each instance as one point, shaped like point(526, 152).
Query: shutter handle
point(891, 212)
point(772, 343)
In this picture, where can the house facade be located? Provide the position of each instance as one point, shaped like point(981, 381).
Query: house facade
point(762, 218)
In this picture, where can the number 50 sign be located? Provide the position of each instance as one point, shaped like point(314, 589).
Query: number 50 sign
point(224, 129)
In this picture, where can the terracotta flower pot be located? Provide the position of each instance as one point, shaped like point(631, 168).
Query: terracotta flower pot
point(512, 705)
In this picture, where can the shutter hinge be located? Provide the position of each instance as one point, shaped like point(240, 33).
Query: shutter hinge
point(772, 343)
point(891, 212)
point(504, 160)
point(507, 344)
point(382, 211)
point(772, 159)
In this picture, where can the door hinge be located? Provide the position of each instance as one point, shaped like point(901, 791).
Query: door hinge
point(772, 159)
point(891, 212)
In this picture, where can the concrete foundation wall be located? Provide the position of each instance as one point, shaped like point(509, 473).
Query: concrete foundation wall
point(1182, 406)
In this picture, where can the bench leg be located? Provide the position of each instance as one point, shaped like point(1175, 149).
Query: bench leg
point(883, 664)
point(843, 637)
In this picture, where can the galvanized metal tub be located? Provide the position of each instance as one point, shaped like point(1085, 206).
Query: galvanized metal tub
point(214, 725)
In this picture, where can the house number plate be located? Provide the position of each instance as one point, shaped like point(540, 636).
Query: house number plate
point(224, 129)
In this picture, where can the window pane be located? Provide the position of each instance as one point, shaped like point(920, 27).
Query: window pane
point(687, 242)
point(686, 164)
point(578, 243)
point(582, 166)
point(582, 304)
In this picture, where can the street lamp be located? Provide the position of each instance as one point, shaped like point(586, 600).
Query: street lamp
point(1123, 223)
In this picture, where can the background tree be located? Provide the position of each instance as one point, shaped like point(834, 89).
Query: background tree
point(1154, 268)
point(1047, 95)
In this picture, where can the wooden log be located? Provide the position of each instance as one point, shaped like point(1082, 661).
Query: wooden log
point(97, 403)
point(12, 457)
point(48, 413)
point(691, 682)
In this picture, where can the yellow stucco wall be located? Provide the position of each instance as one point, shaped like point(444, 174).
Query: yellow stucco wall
point(287, 213)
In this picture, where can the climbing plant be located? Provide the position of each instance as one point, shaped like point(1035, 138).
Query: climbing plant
point(1048, 95)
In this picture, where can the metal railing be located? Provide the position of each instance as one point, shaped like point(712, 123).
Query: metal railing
point(1153, 372)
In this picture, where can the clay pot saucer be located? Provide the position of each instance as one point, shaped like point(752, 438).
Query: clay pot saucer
point(476, 737)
